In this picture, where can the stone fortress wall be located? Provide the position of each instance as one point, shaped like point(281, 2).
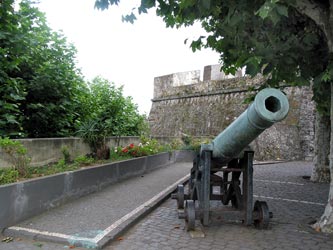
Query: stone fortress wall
point(182, 103)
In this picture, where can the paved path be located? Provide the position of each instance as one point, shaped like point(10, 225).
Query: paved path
point(92, 220)
point(295, 202)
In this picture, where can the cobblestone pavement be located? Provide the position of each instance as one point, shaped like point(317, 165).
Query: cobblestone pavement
point(293, 199)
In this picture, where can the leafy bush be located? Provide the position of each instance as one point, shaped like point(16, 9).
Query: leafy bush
point(66, 154)
point(176, 144)
point(133, 150)
point(187, 139)
point(8, 175)
point(92, 132)
point(17, 154)
point(189, 143)
point(146, 147)
point(83, 160)
point(110, 114)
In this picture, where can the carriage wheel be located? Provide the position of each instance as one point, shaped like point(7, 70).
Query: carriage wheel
point(190, 215)
point(225, 189)
point(236, 199)
point(179, 196)
point(261, 215)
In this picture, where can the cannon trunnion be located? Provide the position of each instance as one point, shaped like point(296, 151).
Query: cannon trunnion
point(223, 170)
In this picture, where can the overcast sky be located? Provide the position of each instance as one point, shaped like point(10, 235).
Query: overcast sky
point(127, 54)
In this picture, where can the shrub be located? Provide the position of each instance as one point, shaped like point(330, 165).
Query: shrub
point(131, 151)
point(17, 154)
point(187, 140)
point(146, 147)
point(8, 175)
point(92, 132)
point(66, 154)
point(83, 160)
point(176, 144)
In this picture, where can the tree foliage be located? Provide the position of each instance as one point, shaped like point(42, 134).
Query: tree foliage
point(11, 89)
point(270, 37)
point(43, 92)
point(108, 113)
point(109, 106)
point(40, 83)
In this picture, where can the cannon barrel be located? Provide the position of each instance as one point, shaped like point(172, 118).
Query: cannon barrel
point(269, 106)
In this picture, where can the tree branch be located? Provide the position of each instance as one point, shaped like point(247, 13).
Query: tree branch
point(312, 9)
point(321, 12)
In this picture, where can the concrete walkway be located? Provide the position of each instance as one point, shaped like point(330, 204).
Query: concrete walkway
point(294, 200)
point(95, 219)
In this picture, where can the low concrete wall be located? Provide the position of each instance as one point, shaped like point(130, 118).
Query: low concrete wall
point(20, 201)
point(48, 150)
point(43, 151)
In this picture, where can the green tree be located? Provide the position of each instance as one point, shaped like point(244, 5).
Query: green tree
point(286, 41)
point(39, 81)
point(110, 107)
point(109, 113)
point(11, 85)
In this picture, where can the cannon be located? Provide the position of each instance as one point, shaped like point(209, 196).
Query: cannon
point(223, 170)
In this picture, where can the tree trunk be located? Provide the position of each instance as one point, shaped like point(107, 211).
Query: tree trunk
point(321, 171)
point(325, 223)
point(325, 20)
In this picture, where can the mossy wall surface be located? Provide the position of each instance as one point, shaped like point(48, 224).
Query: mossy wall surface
point(205, 108)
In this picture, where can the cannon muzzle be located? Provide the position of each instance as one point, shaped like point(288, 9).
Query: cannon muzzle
point(269, 106)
